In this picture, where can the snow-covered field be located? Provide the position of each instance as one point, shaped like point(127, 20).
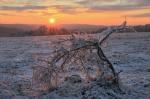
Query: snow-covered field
point(129, 52)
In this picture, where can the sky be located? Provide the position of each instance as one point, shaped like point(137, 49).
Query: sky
point(97, 12)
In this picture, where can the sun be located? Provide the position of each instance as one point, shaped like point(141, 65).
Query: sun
point(51, 20)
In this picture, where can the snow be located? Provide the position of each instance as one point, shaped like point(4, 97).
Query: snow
point(129, 52)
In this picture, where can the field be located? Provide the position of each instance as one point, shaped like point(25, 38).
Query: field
point(129, 53)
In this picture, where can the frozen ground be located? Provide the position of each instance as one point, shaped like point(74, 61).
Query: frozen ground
point(129, 52)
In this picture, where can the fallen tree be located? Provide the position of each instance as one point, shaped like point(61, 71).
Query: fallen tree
point(78, 55)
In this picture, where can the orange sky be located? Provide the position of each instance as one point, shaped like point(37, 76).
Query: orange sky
point(103, 12)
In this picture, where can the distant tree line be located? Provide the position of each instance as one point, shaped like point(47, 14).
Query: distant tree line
point(43, 31)
point(142, 28)
point(138, 28)
point(100, 29)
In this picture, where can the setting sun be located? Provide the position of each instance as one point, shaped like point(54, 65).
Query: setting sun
point(51, 20)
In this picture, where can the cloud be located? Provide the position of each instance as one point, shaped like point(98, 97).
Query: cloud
point(72, 6)
point(67, 9)
point(116, 8)
point(114, 5)
point(8, 14)
point(45, 13)
point(5, 14)
point(141, 15)
point(21, 8)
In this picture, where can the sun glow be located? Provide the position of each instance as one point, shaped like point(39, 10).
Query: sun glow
point(51, 20)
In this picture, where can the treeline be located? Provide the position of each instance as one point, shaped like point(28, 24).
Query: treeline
point(43, 31)
point(9, 32)
point(138, 28)
point(142, 28)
